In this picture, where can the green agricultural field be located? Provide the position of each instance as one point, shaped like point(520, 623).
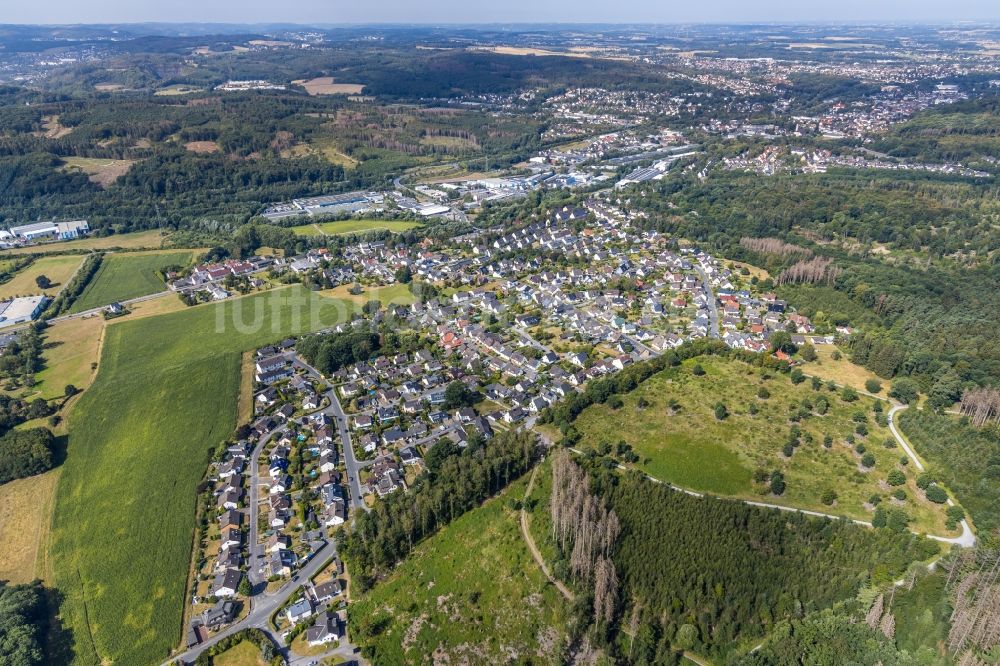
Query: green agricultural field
point(352, 226)
point(693, 449)
point(128, 275)
point(165, 395)
point(469, 594)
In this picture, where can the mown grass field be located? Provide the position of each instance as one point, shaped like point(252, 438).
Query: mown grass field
point(24, 526)
point(242, 654)
point(152, 239)
point(394, 294)
point(165, 395)
point(842, 371)
point(128, 275)
point(695, 450)
point(352, 226)
point(470, 594)
point(57, 269)
point(70, 350)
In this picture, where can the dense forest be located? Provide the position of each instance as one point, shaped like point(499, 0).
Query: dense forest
point(25, 618)
point(705, 574)
point(25, 453)
point(454, 484)
point(887, 208)
point(967, 132)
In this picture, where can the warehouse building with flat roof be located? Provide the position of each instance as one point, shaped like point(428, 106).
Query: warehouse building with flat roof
point(21, 310)
point(45, 230)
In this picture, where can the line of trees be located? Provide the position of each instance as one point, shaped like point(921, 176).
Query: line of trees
point(72, 291)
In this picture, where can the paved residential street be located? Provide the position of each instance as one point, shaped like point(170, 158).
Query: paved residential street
point(336, 411)
point(713, 310)
point(263, 605)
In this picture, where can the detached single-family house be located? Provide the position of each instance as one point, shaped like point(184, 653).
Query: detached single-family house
point(299, 611)
point(227, 583)
point(324, 631)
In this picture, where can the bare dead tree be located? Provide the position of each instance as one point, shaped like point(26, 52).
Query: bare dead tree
point(774, 246)
point(818, 270)
point(888, 625)
point(981, 405)
point(875, 612)
point(605, 590)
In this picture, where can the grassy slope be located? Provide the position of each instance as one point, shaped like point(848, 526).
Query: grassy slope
point(125, 276)
point(352, 226)
point(165, 395)
point(71, 347)
point(695, 450)
point(430, 603)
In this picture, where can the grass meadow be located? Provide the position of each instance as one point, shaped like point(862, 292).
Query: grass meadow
point(352, 227)
point(693, 449)
point(128, 275)
point(152, 239)
point(24, 526)
point(166, 394)
point(394, 294)
point(469, 594)
point(57, 269)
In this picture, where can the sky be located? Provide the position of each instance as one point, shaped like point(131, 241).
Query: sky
point(493, 11)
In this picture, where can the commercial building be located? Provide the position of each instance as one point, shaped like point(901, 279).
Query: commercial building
point(44, 230)
point(20, 310)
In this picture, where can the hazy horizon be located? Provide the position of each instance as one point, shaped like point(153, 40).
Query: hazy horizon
point(455, 12)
